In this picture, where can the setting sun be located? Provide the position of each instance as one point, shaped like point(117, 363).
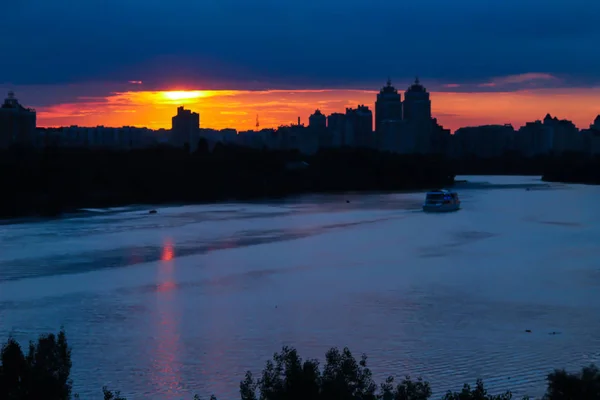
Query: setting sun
point(184, 94)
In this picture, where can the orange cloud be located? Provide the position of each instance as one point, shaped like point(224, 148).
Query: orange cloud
point(238, 109)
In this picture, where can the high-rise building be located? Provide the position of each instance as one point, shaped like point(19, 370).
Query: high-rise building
point(533, 139)
point(185, 128)
point(317, 120)
point(17, 123)
point(417, 105)
point(486, 141)
point(317, 130)
point(359, 126)
point(565, 135)
point(388, 105)
point(336, 125)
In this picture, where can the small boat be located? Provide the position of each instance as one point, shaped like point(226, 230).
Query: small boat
point(441, 200)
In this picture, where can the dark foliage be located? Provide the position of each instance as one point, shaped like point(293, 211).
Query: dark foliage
point(584, 385)
point(286, 377)
point(511, 163)
point(44, 374)
point(477, 393)
point(41, 374)
point(52, 181)
point(573, 168)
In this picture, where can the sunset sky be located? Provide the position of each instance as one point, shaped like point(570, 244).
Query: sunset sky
point(133, 62)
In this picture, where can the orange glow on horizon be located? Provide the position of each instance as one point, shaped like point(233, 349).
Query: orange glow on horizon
point(238, 109)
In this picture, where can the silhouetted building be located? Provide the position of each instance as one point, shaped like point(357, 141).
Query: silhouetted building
point(390, 136)
point(229, 136)
point(317, 120)
point(298, 137)
point(185, 128)
point(17, 123)
point(317, 125)
point(336, 125)
point(359, 126)
point(565, 135)
point(596, 124)
point(388, 105)
point(417, 105)
point(440, 138)
point(485, 141)
point(533, 139)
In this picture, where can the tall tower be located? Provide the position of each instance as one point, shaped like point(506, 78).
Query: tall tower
point(388, 105)
point(185, 128)
point(17, 123)
point(417, 105)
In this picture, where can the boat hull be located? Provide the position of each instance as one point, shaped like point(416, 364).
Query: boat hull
point(440, 208)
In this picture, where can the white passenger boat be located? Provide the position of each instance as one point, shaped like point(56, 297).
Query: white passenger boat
point(441, 201)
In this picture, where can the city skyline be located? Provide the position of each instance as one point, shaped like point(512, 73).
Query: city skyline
point(515, 99)
point(536, 57)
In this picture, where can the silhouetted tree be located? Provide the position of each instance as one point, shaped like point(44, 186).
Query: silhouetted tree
point(406, 390)
point(477, 393)
point(45, 183)
point(42, 374)
point(108, 395)
point(565, 386)
point(203, 148)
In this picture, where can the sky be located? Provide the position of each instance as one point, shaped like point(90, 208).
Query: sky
point(126, 62)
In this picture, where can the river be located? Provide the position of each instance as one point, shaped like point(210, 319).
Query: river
point(186, 300)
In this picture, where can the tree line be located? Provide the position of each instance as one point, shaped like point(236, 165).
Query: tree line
point(43, 372)
point(53, 181)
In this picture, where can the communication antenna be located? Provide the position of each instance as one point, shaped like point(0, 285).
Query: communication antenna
point(257, 124)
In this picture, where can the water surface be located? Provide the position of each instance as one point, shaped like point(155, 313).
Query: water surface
point(184, 301)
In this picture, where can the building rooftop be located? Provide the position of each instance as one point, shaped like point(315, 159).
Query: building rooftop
point(388, 88)
point(12, 103)
point(416, 87)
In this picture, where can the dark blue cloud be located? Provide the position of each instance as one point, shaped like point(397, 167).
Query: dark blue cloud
point(294, 43)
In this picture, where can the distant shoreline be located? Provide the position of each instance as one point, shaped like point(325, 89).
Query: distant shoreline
point(145, 208)
point(64, 182)
point(57, 182)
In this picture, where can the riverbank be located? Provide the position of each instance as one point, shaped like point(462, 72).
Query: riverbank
point(54, 182)
point(573, 169)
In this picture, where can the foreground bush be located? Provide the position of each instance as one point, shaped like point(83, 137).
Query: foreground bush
point(44, 374)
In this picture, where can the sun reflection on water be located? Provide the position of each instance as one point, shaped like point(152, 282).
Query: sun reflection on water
point(166, 375)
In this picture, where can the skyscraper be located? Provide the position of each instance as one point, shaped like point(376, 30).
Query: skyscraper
point(336, 125)
point(17, 123)
point(417, 105)
point(359, 126)
point(387, 106)
point(185, 128)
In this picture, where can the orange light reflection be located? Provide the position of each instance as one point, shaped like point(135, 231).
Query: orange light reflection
point(167, 252)
point(166, 376)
